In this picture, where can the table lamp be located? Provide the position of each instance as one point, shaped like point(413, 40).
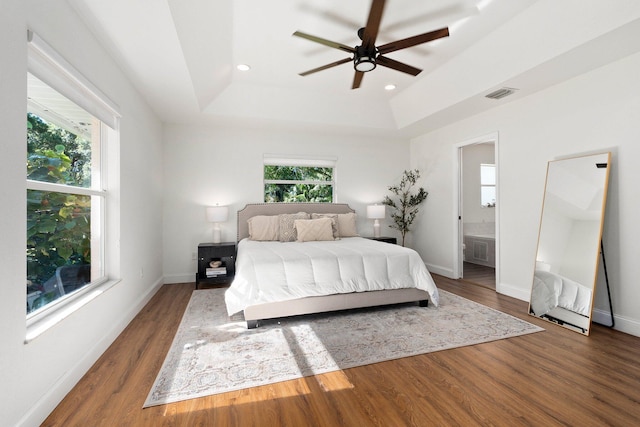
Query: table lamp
point(217, 214)
point(376, 212)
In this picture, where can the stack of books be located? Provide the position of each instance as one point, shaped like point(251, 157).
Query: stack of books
point(216, 271)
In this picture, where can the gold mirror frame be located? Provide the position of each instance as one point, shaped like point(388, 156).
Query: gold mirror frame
point(569, 239)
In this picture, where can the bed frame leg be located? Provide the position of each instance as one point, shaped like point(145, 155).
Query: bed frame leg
point(423, 303)
point(252, 324)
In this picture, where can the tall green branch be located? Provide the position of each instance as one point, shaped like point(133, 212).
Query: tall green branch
point(404, 206)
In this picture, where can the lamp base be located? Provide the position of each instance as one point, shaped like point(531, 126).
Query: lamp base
point(376, 228)
point(216, 233)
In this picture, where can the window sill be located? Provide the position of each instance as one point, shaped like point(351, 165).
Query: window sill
point(41, 324)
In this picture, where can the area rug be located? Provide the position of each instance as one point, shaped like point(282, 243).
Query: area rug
point(212, 353)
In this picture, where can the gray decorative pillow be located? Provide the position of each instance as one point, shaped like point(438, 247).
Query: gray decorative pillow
point(334, 222)
point(287, 226)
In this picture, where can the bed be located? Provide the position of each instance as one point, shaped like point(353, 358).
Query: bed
point(278, 279)
point(561, 299)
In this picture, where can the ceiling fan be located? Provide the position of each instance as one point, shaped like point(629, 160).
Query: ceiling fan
point(367, 55)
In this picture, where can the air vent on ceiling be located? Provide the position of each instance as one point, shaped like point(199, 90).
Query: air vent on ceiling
point(501, 93)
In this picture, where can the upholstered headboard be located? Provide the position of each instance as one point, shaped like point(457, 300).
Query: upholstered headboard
point(254, 209)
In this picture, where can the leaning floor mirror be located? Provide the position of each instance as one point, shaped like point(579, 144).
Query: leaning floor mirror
point(569, 241)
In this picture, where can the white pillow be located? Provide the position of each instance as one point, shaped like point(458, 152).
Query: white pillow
point(310, 230)
point(264, 227)
point(347, 225)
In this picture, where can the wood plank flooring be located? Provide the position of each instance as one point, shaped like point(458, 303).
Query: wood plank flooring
point(551, 378)
point(479, 275)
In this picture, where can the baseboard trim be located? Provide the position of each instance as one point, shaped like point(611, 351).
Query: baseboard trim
point(442, 271)
point(513, 291)
point(622, 323)
point(180, 278)
point(601, 316)
point(48, 402)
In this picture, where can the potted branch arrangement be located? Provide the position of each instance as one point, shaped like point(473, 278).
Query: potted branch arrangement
point(404, 203)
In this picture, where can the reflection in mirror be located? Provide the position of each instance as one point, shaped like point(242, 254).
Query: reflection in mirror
point(569, 241)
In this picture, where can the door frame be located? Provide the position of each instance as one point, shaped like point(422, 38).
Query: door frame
point(458, 239)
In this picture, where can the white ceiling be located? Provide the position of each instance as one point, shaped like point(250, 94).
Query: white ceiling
point(182, 54)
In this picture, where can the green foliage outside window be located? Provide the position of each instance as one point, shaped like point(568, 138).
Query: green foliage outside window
point(298, 184)
point(58, 224)
point(56, 155)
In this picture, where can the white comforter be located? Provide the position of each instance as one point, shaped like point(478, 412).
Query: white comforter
point(552, 290)
point(274, 271)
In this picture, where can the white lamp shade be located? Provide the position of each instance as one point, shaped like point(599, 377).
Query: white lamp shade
point(376, 211)
point(217, 213)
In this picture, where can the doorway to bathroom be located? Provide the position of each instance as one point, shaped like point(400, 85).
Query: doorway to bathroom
point(476, 226)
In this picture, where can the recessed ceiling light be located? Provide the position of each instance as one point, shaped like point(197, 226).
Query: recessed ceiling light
point(389, 87)
point(243, 67)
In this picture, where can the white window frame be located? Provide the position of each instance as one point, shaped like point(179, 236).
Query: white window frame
point(301, 161)
point(487, 184)
point(48, 66)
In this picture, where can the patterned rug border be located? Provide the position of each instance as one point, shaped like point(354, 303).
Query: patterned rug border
point(205, 325)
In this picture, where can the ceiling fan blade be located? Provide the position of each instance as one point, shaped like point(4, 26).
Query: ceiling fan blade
point(324, 67)
point(324, 12)
point(373, 24)
point(325, 42)
point(451, 13)
point(413, 41)
point(357, 79)
point(398, 66)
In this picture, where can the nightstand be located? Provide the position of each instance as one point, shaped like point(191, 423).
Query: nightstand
point(385, 239)
point(224, 252)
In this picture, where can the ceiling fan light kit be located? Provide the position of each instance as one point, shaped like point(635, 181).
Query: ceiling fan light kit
point(367, 56)
point(364, 61)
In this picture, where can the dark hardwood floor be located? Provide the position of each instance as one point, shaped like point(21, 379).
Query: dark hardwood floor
point(479, 275)
point(551, 378)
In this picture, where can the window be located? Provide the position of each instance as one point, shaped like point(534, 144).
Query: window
point(66, 197)
point(298, 180)
point(488, 185)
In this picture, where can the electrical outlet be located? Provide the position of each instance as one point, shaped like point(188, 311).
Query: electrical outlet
point(194, 256)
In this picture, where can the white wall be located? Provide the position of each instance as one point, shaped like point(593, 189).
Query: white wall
point(594, 112)
point(205, 165)
point(36, 376)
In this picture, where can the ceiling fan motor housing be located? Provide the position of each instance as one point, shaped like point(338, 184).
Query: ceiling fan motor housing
point(364, 60)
